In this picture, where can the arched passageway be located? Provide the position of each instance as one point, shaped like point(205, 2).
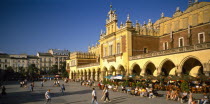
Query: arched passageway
point(112, 71)
point(192, 67)
point(136, 70)
point(121, 71)
point(150, 69)
point(167, 68)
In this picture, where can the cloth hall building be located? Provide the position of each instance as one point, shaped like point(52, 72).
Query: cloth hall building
point(174, 45)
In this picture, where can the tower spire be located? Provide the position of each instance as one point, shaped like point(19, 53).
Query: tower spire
point(128, 18)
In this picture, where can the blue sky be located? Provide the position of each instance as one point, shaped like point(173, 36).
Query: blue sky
point(31, 26)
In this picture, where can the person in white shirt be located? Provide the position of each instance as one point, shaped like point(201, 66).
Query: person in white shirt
point(47, 96)
point(94, 97)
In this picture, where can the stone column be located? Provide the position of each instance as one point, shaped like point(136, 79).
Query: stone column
point(70, 75)
point(80, 76)
point(91, 76)
point(88, 76)
point(159, 71)
point(179, 70)
point(206, 69)
point(102, 75)
point(96, 76)
point(83, 76)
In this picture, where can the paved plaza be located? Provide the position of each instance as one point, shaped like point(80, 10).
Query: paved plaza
point(74, 94)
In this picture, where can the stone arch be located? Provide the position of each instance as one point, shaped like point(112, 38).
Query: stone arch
point(149, 68)
point(166, 66)
point(120, 70)
point(112, 71)
point(135, 69)
point(190, 62)
point(105, 71)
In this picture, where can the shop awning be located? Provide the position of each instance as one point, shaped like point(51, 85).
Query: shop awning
point(173, 71)
point(195, 71)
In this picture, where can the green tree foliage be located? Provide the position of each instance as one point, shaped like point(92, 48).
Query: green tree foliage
point(32, 71)
point(10, 69)
point(185, 86)
point(54, 70)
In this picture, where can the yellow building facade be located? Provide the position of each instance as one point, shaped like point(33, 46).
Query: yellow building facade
point(174, 45)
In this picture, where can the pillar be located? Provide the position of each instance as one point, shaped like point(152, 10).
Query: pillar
point(159, 71)
point(102, 75)
point(206, 69)
point(70, 75)
point(91, 75)
point(83, 76)
point(179, 70)
point(96, 76)
point(80, 76)
point(88, 77)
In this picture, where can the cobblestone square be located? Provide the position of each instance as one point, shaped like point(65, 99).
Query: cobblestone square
point(74, 94)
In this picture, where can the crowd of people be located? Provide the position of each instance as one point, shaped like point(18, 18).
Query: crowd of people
point(148, 91)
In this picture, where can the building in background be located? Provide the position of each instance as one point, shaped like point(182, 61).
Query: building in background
point(177, 45)
point(59, 56)
point(43, 61)
point(4, 60)
point(18, 61)
point(46, 61)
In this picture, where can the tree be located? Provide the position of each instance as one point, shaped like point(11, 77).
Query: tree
point(32, 71)
point(54, 70)
point(64, 73)
point(63, 67)
point(10, 69)
point(22, 71)
point(185, 86)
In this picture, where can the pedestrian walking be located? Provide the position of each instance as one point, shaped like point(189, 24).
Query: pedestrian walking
point(3, 92)
point(42, 83)
point(62, 89)
point(94, 97)
point(106, 94)
point(31, 87)
point(48, 97)
point(58, 83)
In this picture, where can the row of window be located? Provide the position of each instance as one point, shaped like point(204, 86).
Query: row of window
point(111, 50)
point(4, 60)
point(201, 39)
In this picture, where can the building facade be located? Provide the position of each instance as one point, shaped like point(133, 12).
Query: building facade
point(60, 56)
point(43, 61)
point(177, 45)
point(17, 61)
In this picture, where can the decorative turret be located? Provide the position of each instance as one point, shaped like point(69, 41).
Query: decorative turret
point(162, 15)
point(111, 21)
point(177, 9)
point(149, 25)
point(128, 22)
point(121, 25)
point(137, 26)
point(112, 16)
